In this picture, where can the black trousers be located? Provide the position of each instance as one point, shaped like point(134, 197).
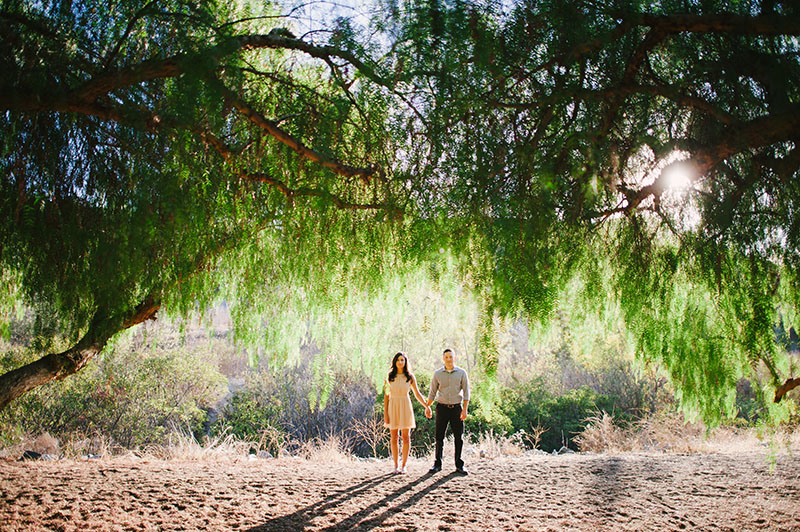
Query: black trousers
point(447, 415)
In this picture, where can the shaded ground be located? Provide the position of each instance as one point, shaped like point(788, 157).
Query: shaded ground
point(728, 492)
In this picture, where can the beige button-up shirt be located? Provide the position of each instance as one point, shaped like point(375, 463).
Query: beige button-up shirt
point(452, 386)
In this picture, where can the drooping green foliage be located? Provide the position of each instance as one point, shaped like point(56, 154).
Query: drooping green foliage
point(99, 213)
point(560, 128)
point(181, 153)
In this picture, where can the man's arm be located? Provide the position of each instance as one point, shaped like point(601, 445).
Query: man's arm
point(434, 389)
point(465, 400)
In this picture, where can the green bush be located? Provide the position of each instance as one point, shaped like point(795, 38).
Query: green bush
point(531, 405)
point(483, 421)
point(750, 404)
point(129, 397)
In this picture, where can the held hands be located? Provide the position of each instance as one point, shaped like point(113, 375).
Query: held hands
point(428, 413)
point(463, 414)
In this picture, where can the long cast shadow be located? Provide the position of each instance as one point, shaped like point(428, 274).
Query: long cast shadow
point(301, 518)
point(357, 519)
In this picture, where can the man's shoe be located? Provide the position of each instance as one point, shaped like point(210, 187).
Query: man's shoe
point(461, 471)
point(435, 469)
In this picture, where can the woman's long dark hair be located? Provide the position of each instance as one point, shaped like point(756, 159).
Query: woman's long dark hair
point(406, 370)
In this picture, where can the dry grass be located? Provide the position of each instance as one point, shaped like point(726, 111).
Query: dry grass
point(673, 434)
point(602, 435)
point(667, 433)
point(273, 441)
point(370, 429)
point(334, 449)
point(184, 446)
point(491, 445)
point(663, 434)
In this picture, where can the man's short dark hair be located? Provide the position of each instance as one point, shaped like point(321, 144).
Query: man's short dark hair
point(446, 350)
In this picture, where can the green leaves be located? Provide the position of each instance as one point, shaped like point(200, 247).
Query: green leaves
point(193, 152)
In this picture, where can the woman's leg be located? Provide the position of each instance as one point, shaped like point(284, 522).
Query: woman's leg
point(393, 432)
point(406, 445)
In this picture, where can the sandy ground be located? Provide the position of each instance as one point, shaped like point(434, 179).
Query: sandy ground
point(735, 492)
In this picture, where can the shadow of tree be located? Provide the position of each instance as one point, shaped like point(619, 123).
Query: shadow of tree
point(301, 519)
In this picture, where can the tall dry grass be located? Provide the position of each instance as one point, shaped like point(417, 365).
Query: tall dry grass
point(182, 445)
point(333, 449)
point(672, 433)
point(491, 445)
point(665, 433)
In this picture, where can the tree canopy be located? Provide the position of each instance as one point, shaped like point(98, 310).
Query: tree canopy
point(171, 153)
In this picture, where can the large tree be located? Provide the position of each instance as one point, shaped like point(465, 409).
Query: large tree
point(145, 144)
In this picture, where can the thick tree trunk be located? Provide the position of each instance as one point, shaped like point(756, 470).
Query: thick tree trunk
point(56, 366)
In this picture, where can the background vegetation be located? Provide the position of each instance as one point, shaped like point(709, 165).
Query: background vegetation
point(170, 379)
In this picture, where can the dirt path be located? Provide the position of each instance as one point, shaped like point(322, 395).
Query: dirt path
point(727, 492)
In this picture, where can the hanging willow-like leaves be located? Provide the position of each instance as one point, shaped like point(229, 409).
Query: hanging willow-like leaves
point(153, 150)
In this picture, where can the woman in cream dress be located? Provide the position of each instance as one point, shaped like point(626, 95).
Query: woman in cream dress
point(398, 416)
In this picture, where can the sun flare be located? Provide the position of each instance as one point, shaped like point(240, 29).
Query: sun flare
point(678, 176)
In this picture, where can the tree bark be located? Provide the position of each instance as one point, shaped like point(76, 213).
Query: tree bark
point(56, 366)
point(785, 388)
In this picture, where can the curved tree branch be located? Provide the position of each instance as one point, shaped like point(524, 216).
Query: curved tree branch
point(57, 366)
point(785, 388)
point(671, 93)
point(755, 134)
point(670, 24)
point(85, 99)
point(279, 134)
point(291, 193)
point(152, 69)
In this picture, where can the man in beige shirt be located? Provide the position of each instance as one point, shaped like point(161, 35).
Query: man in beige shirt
point(450, 389)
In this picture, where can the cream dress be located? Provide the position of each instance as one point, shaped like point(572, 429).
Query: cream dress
point(401, 415)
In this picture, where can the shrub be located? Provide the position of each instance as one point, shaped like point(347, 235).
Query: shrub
point(602, 435)
point(128, 397)
point(287, 401)
point(483, 421)
point(532, 408)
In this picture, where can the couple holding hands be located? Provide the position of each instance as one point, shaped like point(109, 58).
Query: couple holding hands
point(450, 390)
